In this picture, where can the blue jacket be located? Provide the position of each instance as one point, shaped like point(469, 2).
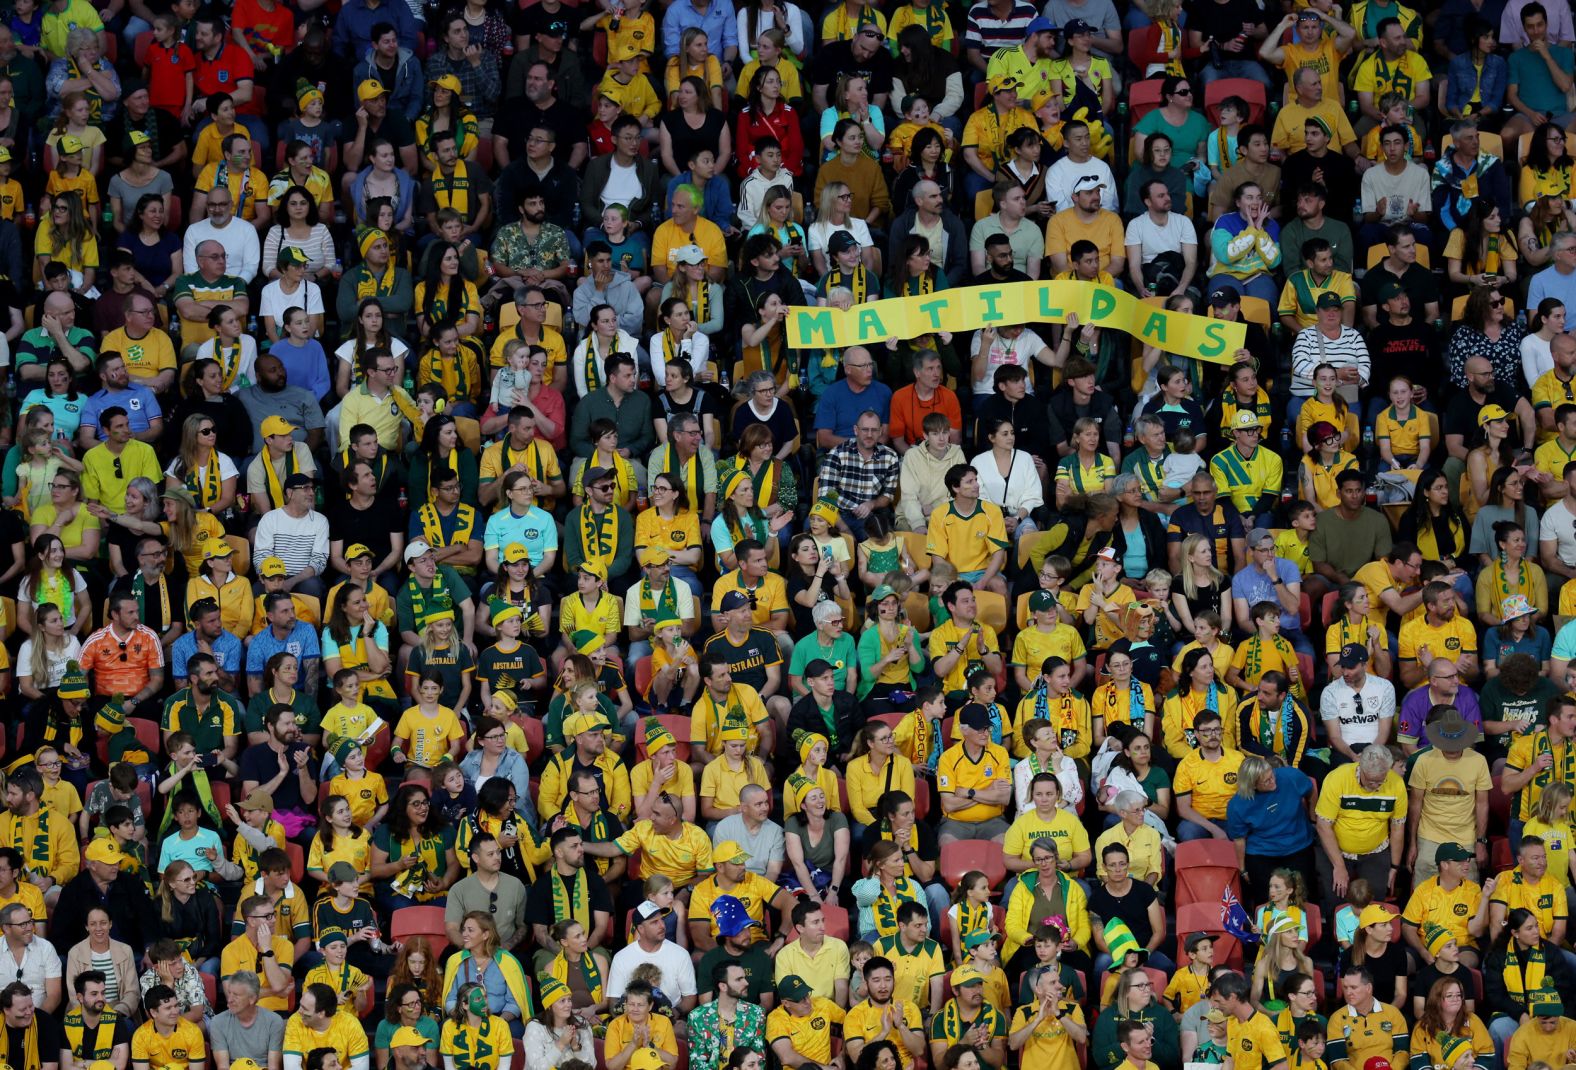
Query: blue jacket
point(513, 769)
point(353, 26)
point(409, 84)
point(1462, 79)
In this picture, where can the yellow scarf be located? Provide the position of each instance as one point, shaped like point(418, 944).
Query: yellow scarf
point(592, 530)
point(858, 282)
point(369, 285)
point(205, 483)
point(687, 472)
point(453, 192)
point(700, 301)
point(276, 490)
point(229, 359)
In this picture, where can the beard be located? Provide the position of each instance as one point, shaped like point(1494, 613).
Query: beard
point(536, 218)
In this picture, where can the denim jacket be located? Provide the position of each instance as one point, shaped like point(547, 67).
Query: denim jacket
point(1462, 78)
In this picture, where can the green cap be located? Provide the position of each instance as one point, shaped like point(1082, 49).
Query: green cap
point(793, 987)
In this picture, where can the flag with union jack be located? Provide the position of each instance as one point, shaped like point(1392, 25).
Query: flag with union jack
point(1234, 917)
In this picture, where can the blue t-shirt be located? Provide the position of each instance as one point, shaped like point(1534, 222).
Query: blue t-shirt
point(141, 406)
point(175, 849)
point(1536, 643)
point(226, 651)
point(302, 642)
point(1252, 586)
point(1274, 823)
point(535, 531)
point(68, 412)
point(305, 365)
point(839, 407)
point(1534, 85)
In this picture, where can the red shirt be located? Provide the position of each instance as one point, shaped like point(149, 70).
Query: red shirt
point(276, 27)
point(226, 71)
point(167, 69)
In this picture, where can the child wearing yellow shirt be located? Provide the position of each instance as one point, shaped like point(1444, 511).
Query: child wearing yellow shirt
point(1189, 984)
point(349, 718)
point(636, 30)
point(363, 788)
point(916, 117)
point(1292, 544)
point(348, 983)
point(12, 201)
point(624, 84)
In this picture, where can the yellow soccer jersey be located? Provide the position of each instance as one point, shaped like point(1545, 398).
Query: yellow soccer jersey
point(182, 1048)
point(427, 739)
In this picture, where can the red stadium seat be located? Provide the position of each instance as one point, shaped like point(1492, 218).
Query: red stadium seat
point(297, 861)
point(960, 856)
point(147, 734)
point(1206, 853)
point(535, 738)
point(420, 921)
point(1220, 88)
point(139, 48)
point(921, 797)
point(676, 723)
point(1143, 98)
point(1204, 884)
point(643, 676)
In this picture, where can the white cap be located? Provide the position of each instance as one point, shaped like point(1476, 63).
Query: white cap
point(415, 549)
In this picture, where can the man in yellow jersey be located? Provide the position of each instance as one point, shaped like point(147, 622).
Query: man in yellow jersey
point(1440, 634)
point(1361, 824)
point(1206, 780)
point(1531, 887)
point(975, 781)
point(320, 1023)
point(259, 950)
point(1246, 472)
point(1555, 387)
point(1029, 64)
point(963, 643)
point(918, 962)
point(1448, 901)
point(1560, 449)
point(968, 1019)
point(1252, 1041)
point(667, 843)
point(46, 839)
point(1364, 1028)
point(969, 534)
point(799, 1028)
point(1048, 1030)
point(166, 1041)
point(754, 892)
point(521, 450)
point(881, 1015)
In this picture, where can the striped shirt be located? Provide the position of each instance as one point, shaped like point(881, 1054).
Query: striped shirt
point(301, 543)
point(988, 32)
point(1311, 349)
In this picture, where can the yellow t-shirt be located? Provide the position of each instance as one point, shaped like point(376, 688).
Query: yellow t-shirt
point(182, 1048)
point(1405, 436)
point(957, 773)
point(722, 784)
point(365, 794)
point(1545, 898)
point(947, 635)
point(866, 1022)
point(1254, 1043)
point(810, 1036)
point(357, 850)
point(428, 738)
point(1361, 817)
point(1064, 827)
point(1450, 640)
point(681, 860)
point(968, 542)
point(1212, 784)
point(754, 891)
point(1431, 903)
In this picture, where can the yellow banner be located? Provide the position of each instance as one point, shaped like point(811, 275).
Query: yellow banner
point(969, 308)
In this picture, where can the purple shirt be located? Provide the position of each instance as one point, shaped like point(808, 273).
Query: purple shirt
point(1415, 707)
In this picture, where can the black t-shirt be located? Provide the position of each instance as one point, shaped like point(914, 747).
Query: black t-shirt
point(1132, 908)
point(373, 528)
point(50, 1039)
point(749, 659)
point(520, 117)
point(539, 904)
point(533, 20)
point(1461, 415)
point(1399, 350)
point(1417, 281)
point(1029, 422)
point(260, 763)
point(560, 189)
point(838, 58)
point(688, 140)
point(394, 128)
point(152, 612)
point(166, 133)
point(1385, 968)
point(506, 672)
point(1224, 21)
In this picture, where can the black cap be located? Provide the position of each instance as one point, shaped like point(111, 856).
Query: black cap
point(975, 716)
point(299, 479)
point(818, 667)
point(1224, 295)
point(1353, 655)
point(842, 241)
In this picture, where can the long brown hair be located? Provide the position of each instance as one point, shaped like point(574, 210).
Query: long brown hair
point(430, 982)
point(1433, 1020)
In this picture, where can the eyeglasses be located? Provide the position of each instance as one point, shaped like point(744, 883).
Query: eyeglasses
point(845, 196)
point(61, 486)
point(210, 430)
point(264, 917)
point(536, 304)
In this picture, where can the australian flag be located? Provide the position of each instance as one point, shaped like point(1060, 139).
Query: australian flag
point(1234, 918)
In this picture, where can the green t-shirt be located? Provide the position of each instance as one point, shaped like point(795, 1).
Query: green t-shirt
point(413, 602)
point(1187, 140)
point(842, 655)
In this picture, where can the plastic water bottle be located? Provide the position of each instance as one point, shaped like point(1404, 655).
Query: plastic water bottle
point(1127, 436)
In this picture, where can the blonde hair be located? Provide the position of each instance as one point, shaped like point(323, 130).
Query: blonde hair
point(1189, 584)
point(1554, 795)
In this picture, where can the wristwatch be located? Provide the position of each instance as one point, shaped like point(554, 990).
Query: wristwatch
point(266, 954)
point(971, 793)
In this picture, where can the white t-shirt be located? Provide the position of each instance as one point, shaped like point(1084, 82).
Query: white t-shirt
point(1559, 526)
point(678, 971)
point(309, 295)
point(1020, 351)
point(347, 351)
point(623, 185)
point(821, 232)
point(57, 662)
point(696, 348)
point(1155, 240)
point(1359, 712)
point(24, 593)
point(1412, 184)
point(227, 469)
